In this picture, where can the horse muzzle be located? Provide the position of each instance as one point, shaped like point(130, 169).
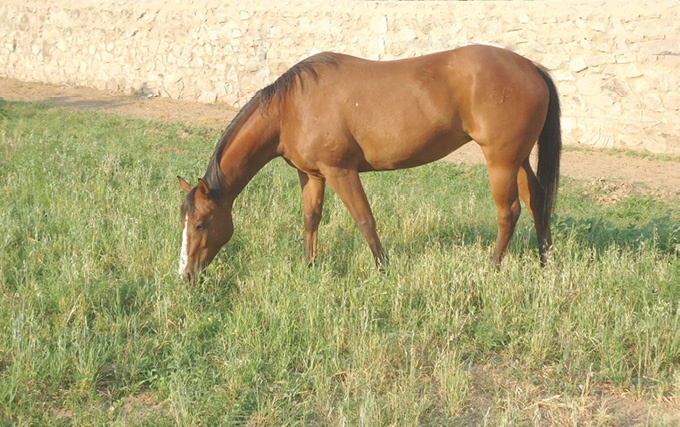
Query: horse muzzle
point(192, 276)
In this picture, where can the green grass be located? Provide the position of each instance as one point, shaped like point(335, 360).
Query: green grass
point(95, 327)
point(657, 157)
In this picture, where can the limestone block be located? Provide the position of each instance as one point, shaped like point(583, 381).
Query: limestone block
point(537, 47)
point(551, 61)
point(221, 68)
point(114, 69)
point(174, 91)
point(659, 47)
point(492, 28)
point(61, 19)
point(578, 64)
point(107, 57)
point(604, 47)
point(172, 78)
point(665, 82)
point(630, 140)
point(379, 24)
point(669, 61)
point(221, 90)
point(599, 138)
point(207, 97)
point(639, 86)
point(152, 77)
point(254, 66)
point(592, 61)
point(655, 144)
point(672, 117)
point(631, 71)
point(625, 57)
point(671, 101)
point(565, 88)
point(632, 114)
point(602, 101)
point(652, 102)
point(564, 75)
point(616, 87)
point(568, 124)
point(581, 24)
point(599, 26)
point(189, 92)
point(376, 47)
point(575, 102)
point(230, 99)
point(589, 84)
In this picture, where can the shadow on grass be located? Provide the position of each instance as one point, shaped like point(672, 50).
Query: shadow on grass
point(661, 233)
point(3, 109)
point(69, 102)
point(448, 238)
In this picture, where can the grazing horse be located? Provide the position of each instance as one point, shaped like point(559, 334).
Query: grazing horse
point(332, 116)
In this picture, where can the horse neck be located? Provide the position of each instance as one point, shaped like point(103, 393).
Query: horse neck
point(253, 145)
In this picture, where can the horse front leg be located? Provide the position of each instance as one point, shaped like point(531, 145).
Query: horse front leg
point(347, 185)
point(312, 205)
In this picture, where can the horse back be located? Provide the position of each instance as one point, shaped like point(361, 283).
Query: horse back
point(375, 115)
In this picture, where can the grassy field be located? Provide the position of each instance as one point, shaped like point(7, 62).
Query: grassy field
point(96, 328)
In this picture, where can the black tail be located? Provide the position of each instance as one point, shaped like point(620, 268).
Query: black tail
point(549, 150)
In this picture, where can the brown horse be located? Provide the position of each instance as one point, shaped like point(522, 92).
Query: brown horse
point(332, 116)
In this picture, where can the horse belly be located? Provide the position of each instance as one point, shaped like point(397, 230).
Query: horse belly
point(407, 125)
point(402, 148)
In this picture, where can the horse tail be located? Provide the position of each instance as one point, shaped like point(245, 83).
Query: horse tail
point(549, 150)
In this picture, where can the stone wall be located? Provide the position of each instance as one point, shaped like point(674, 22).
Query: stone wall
point(616, 63)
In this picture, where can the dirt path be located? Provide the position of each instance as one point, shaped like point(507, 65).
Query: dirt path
point(614, 175)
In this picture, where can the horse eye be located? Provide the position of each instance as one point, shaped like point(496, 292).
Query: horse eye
point(199, 227)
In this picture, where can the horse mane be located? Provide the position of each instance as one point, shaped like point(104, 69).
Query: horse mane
point(276, 91)
point(287, 81)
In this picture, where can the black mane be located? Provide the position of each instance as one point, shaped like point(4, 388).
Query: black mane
point(276, 91)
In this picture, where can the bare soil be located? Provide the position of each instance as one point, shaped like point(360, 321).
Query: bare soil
point(611, 175)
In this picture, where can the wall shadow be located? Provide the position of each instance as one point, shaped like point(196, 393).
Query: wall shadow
point(87, 104)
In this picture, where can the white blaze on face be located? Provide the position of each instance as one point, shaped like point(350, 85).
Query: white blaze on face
point(183, 255)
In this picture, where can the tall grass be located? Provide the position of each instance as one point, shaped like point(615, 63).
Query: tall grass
point(96, 328)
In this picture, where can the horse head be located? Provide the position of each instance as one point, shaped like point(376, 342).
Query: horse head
point(206, 225)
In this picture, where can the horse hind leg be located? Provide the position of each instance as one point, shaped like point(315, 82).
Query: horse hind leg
point(312, 206)
point(532, 194)
point(503, 179)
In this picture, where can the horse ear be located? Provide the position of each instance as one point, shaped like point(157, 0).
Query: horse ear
point(184, 185)
point(203, 189)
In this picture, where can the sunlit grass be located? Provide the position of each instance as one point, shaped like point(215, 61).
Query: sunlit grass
point(95, 327)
